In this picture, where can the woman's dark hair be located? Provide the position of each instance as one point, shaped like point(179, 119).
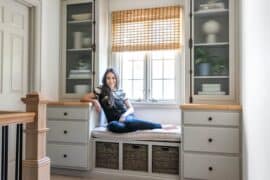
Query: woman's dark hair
point(106, 92)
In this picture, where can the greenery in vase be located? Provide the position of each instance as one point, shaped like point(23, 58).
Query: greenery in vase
point(218, 65)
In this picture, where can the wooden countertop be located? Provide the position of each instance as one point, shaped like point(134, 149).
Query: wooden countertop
point(68, 103)
point(210, 107)
point(14, 117)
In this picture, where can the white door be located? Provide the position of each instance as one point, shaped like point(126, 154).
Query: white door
point(14, 19)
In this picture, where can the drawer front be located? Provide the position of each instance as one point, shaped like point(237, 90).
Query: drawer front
point(214, 118)
point(62, 112)
point(210, 167)
point(68, 155)
point(68, 131)
point(211, 139)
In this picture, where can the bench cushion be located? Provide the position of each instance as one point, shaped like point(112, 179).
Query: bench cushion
point(172, 135)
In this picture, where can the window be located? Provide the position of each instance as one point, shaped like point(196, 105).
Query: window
point(148, 76)
point(146, 44)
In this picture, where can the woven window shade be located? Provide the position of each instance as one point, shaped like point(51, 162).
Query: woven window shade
point(147, 29)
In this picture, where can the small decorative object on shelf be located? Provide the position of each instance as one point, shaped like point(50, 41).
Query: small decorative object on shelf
point(212, 4)
point(211, 28)
point(81, 88)
point(81, 17)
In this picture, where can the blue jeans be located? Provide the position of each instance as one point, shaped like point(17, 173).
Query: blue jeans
point(131, 124)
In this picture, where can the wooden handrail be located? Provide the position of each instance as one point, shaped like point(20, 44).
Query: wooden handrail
point(13, 117)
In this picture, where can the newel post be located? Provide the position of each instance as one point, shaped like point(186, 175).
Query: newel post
point(36, 165)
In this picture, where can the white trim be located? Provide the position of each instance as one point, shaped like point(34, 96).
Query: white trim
point(35, 21)
point(29, 3)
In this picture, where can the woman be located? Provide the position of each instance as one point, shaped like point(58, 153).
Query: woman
point(116, 106)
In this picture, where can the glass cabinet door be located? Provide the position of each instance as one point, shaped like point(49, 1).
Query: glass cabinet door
point(79, 52)
point(211, 54)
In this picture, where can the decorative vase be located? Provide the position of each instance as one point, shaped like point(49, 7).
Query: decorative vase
point(204, 69)
point(211, 28)
point(77, 40)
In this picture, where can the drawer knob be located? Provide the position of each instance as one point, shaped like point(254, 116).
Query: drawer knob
point(210, 140)
point(65, 131)
point(65, 156)
point(65, 113)
point(210, 118)
point(210, 168)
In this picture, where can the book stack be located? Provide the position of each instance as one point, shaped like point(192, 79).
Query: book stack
point(80, 74)
point(211, 89)
point(212, 6)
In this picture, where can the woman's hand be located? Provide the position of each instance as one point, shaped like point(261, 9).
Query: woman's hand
point(97, 105)
point(122, 118)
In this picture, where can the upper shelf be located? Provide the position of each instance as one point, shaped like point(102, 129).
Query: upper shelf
point(212, 44)
point(80, 22)
point(211, 12)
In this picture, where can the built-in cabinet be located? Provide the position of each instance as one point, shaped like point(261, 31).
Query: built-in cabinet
point(211, 140)
point(79, 54)
point(212, 51)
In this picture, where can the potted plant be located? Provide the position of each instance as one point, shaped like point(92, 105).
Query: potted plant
point(219, 67)
point(203, 61)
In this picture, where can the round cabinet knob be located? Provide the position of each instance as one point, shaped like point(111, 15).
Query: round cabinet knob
point(65, 156)
point(210, 140)
point(65, 113)
point(210, 168)
point(65, 131)
point(210, 118)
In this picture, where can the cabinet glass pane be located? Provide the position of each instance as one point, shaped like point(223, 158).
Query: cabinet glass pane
point(211, 47)
point(79, 40)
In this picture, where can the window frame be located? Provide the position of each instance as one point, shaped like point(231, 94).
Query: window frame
point(117, 59)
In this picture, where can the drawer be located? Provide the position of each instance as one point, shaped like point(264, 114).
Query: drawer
point(68, 131)
point(215, 118)
point(211, 139)
point(63, 112)
point(68, 155)
point(107, 155)
point(165, 159)
point(211, 167)
point(135, 157)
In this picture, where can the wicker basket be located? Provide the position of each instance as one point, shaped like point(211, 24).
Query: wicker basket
point(107, 155)
point(165, 159)
point(135, 157)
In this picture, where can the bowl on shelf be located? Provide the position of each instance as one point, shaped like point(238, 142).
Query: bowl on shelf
point(81, 17)
point(81, 88)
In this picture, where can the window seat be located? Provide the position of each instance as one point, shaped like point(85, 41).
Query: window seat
point(172, 135)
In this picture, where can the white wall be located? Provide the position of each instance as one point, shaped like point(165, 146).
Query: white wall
point(50, 48)
point(168, 114)
point(255, 57)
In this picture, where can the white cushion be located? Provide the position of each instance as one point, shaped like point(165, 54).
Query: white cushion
point(171, 135)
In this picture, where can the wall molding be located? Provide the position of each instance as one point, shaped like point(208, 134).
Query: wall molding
point(35, 22)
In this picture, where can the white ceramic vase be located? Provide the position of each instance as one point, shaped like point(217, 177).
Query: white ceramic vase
point(211, 28)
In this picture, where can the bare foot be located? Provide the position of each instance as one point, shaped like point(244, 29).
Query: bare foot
point(168, 126)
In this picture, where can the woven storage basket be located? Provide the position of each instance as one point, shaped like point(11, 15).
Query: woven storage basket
point(135, 157)
point(107, 155)
point(165, 159)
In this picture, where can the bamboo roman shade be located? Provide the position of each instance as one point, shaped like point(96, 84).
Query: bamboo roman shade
point(147, 29)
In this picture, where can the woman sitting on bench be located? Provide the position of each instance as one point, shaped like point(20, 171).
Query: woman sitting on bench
point(117, 107)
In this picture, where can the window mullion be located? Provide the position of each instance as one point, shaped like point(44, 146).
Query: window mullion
point(146, 75)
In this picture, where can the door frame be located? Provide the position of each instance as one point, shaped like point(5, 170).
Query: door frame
point(35, 29)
